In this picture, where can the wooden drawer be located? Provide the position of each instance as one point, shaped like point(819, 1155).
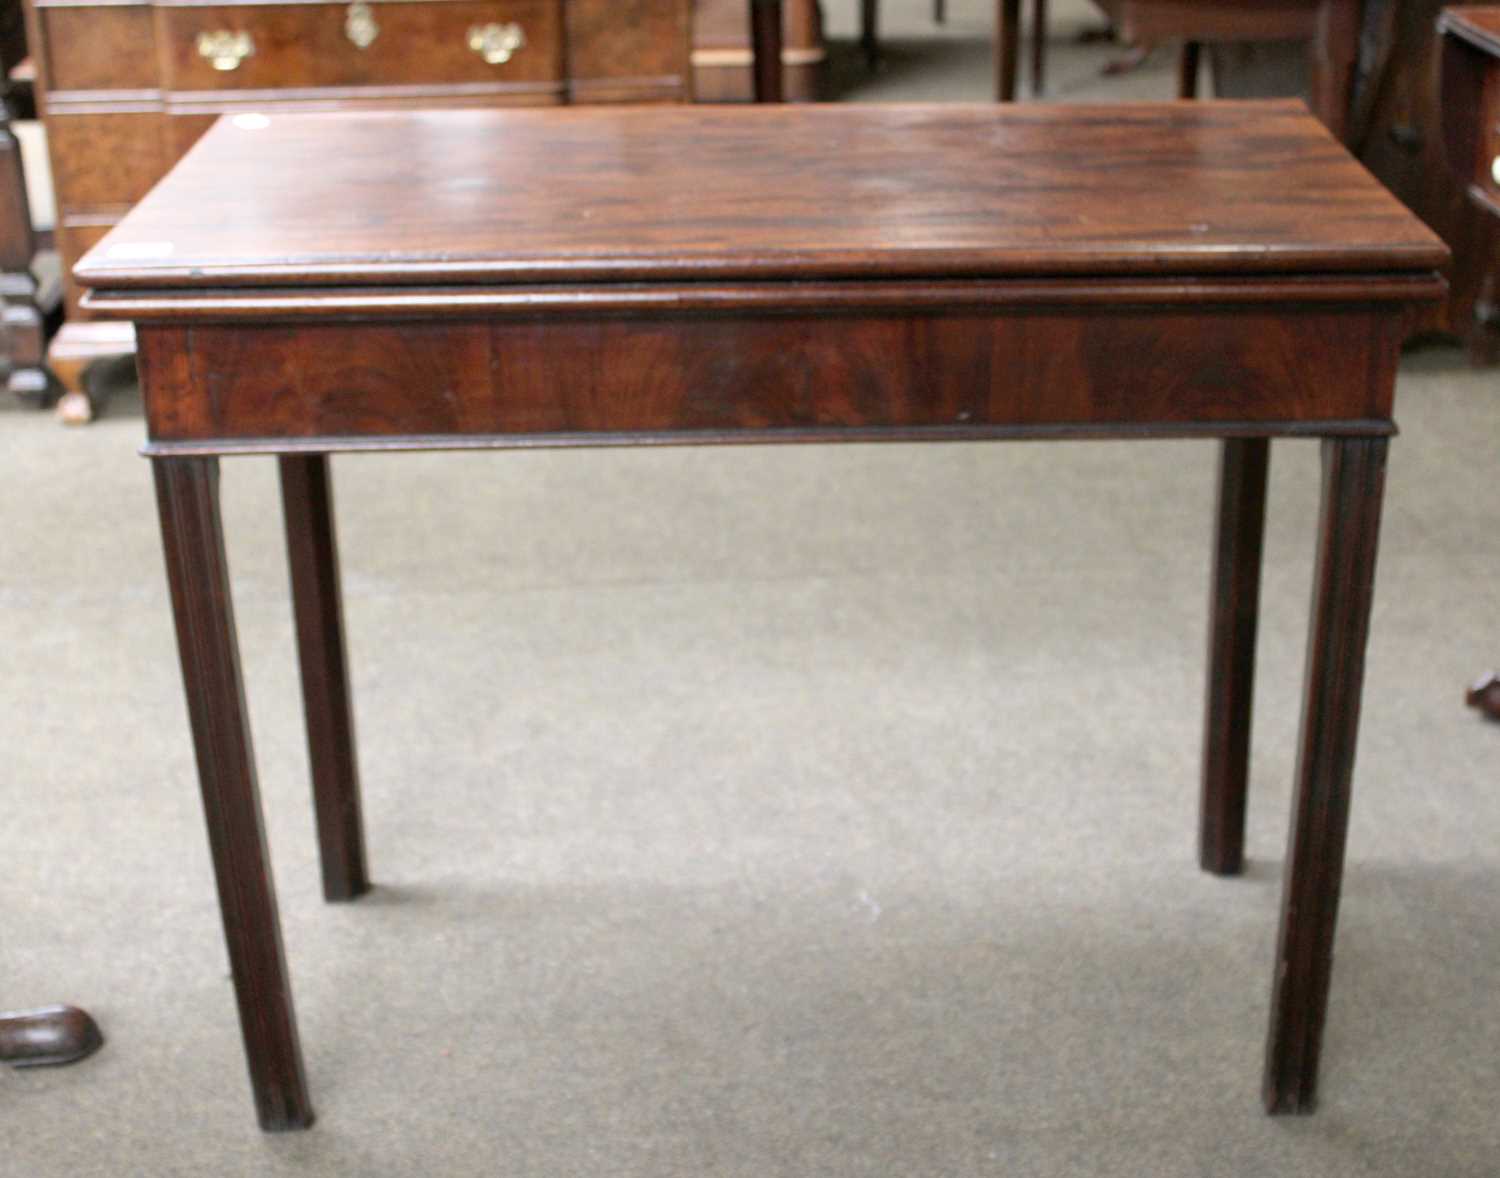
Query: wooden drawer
point(382, 43)
point(629, 50)
point(104, 48)
point(74, 239)
point(104, 161)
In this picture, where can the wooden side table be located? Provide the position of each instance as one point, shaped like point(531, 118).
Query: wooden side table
point(709, 276)
point(1471, 127)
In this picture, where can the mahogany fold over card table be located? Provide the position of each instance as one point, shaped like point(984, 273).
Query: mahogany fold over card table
point(307, 284)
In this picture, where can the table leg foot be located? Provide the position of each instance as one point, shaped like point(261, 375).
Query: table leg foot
point(198, 575)
point(1234, 607)
point(312, 556)
point(47, 1036)
point(1343, 586)
point(75, 408)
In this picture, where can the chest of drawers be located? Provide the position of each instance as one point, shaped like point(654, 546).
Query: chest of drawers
point(127, 86)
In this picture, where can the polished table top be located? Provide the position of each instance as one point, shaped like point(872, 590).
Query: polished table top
point(764, 193)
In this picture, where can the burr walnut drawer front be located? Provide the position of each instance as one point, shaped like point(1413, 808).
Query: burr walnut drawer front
point(379, 43)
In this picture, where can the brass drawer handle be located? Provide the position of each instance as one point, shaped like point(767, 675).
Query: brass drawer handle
point(360, 26)
point(225, 50)
point(497, 43)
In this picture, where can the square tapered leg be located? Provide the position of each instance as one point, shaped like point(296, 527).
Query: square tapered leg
point(1343, 587)
point(1234, 606)
point(312, 556)
point(187, 492)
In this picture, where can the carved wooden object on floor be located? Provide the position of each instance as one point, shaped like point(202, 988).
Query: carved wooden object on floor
point(47, 1036)
point(1485, 696)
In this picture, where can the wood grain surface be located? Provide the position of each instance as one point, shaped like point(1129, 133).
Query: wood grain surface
point(625, 195)
point(768, 372)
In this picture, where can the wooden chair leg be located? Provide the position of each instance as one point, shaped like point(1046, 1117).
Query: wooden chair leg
point(1343, 586)
point(187, 491)
point(1038, 47)
point(1233, 608)
point(1335, 64)
point(1188, 63)
point(1007, 48)
point(312, 555)
point(869, 31)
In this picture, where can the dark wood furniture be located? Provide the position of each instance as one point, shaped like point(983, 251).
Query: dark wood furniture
point(30, 293)
point(1007, 41)
point(767, 27)
point(1008, 47)
point(47, 1036)
point(1399, 134)
point(1471, 100)
point(1331, 27)
point(723, 56)
point(126, 86)
point(26, 305)
point(716, 275)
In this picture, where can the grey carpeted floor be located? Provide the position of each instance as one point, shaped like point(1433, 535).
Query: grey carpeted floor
point(757, 812)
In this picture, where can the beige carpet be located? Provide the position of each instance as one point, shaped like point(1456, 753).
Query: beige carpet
point(757, 812)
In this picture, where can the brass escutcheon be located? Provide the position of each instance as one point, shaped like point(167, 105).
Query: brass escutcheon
point(497, 43)
point(360, 26)
point(224, 50)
